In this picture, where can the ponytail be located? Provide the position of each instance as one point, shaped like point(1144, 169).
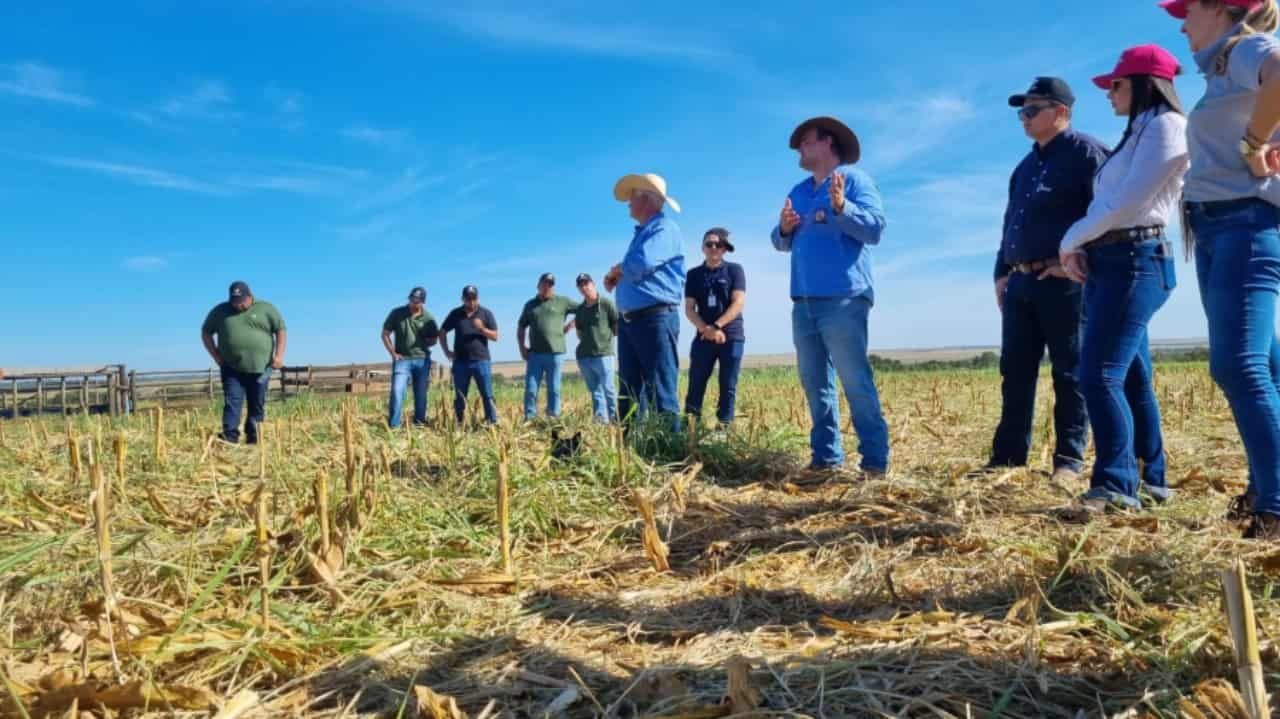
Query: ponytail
point(1264, 19)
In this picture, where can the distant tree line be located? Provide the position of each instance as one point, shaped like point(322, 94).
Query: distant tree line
point(991, 361)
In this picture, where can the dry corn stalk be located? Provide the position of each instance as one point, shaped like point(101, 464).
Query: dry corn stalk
point(262, 453)
point(264, 554)
point(1244, 637)
point(348, 441)
point(73, 451)
point(436, 706)
point(504, 508)
point(100, 501)
point(654, 548)
point(121, 447)
point(158, 440)
point(741, 697)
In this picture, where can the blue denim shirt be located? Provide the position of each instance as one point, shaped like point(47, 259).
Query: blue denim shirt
point(1215, 126)
point(653, 268)
point(1049, 190)
point(830, 253)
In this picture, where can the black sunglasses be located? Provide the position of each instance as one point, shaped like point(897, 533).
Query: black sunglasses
point(713, 245)
point(1029, 112)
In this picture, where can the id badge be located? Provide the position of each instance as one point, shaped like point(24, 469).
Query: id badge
point(820, 216)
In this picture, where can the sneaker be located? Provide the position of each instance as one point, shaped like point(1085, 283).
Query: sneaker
point(873, 475)
point(1241, 508)
point(1264, 526)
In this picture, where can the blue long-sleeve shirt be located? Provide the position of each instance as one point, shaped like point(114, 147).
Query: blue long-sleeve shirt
point(830, 251)
point(653, 268)
point(1049, 190)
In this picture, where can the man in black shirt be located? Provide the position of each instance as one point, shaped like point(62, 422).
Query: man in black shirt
point(1050, 189)
point(474, 327)
point(715, 293)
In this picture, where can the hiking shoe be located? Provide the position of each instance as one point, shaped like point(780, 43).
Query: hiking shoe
point(1264, 526)
point(1065, 476)
point(1241, 508)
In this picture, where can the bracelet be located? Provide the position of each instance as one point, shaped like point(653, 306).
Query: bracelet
point(1253, 140)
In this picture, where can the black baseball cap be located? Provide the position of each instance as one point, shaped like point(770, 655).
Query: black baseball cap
point(548, 278)
point(470, 291)
point(583, 279)
point(1048, 88)
point(418, 294)
point(721, 234)
point(238, 290)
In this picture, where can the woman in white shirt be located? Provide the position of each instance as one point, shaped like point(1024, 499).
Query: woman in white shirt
point(1119, 251)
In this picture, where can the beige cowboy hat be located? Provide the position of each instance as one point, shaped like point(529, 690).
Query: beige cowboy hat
point(648, 181)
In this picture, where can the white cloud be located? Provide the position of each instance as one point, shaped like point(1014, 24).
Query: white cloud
point(139, 175)
point(210, 100)
point(902, 130)
point(40, 82)
point(614, 38)
point(286, 106)
point(145, 263)
point(386, 138)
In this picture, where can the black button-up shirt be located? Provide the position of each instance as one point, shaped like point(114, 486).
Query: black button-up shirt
point(1050, 189)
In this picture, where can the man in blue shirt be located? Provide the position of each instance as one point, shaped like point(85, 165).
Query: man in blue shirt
point(829, 223)
point(650, 288)
point(1049, 190)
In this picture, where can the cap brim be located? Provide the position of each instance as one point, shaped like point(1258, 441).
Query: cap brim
point(1176, 8)
point(1104, 81)
point(727, 245)
point(1017, 100)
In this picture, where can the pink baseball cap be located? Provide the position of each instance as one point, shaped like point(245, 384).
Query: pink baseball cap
point(1178, 8)
point(1142, 60)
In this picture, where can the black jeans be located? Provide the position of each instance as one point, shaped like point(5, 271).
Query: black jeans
point(1039, 313)
point(237, 387)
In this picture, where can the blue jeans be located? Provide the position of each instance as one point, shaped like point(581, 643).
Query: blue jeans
point(1127, 283)
point(703, 356)
point(598, 373)
point(237, 388)
point(1238, 267)
point(539, 366)
point(463, 372)
point(649, 364)
point(830, 336)
point(1039, 313)
point(403, 370)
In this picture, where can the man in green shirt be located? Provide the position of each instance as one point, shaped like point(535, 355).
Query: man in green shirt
point(250, 342)
point(544, 356)
point(596, 320)
point(408, 334)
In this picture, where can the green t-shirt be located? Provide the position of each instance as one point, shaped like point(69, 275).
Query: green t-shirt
point(595, 328)
point(412, 334)
point(546, 318)
point(245, 339)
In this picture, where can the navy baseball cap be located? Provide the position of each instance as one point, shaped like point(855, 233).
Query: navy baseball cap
point(238, 290)
point(418, 294)
point(470, 291)
point(1047, 88)
point(583, 279)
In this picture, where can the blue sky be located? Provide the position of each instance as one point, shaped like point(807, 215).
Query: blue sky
point(336, 154)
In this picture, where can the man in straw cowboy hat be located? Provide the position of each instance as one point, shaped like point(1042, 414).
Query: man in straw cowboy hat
point(650, 288)
point(828, 223)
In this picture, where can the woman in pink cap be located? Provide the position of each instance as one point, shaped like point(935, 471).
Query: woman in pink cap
point(1232, 216)
point(1118, 250)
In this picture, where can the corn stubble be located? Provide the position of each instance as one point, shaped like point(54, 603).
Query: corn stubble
point(343, 569)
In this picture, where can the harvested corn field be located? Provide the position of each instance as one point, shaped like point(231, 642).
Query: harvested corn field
point(342, 569)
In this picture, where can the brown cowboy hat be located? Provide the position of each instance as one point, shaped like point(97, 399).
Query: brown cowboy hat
point(850, 149)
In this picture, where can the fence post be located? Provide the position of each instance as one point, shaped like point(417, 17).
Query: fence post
point(133, 390)
point(84, 394)
point(14, 385)
point(39, 396)
point(112, 400)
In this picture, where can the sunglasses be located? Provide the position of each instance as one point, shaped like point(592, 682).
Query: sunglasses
point(1029, 112)
point(1115, 84)
point(713, 245)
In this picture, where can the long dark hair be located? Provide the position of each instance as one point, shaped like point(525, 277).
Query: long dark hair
point(1146, 92)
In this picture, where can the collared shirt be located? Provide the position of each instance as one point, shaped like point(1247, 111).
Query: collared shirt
point(1049, 190)
point(1139, 185)
point(1218, 122)
point(831, 251)
point(653, 268)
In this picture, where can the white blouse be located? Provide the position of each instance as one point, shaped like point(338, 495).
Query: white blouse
point(1140, 185)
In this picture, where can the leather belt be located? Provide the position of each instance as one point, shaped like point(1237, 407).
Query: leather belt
point(1036, 266)
point(1128, 234)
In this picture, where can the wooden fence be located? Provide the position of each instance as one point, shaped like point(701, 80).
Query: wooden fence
point(116, 390)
